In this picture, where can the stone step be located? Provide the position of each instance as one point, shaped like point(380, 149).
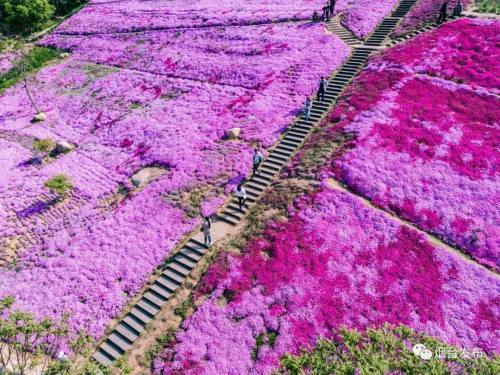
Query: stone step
point(119, 341)
point(180, 269)
point(297, 133)
point(255, 190)
point(158, 288)
point(284, 152)
point(253, 185)
point(169, 274)
point(290, 137)
point(321, 105)
point(261, 183)
point(237, 215)
point(303, 125)
point(334, 90)
point(193, 248)
point(168, 283)
point(284, 149)
point(126, 331)
point(263, 180)
point(194, 244)
point(133, 323)
point(266, 173)
point(265, 169)
point(103, 358)
point(191, 254)
point(253, 194)
point(185, 261)
point(112, 350)
point(234, 206)
point(141, 315)
point(228, 219)
point(155, 298)
point(277, 156)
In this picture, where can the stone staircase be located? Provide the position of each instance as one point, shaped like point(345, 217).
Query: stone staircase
point(388, 24)
point(420, 30)
point(180, 265)
point(343, 33)
point(134, 323)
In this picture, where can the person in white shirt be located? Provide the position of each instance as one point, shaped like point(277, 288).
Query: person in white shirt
point(242, 196)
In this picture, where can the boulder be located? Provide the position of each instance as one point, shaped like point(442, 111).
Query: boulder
point(233, 133)
point(145, 176)
point(39, 117)
point(62, 147)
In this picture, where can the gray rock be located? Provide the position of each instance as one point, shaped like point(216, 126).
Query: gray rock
point(146, 175)
point(62, 147)
point(233, 133)
point(39, 117)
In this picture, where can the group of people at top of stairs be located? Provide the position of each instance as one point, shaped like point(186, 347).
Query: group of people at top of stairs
point(327, 12)
point(443, 11)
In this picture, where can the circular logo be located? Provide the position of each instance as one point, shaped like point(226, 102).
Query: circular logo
point(417, 349)
point(426, 354)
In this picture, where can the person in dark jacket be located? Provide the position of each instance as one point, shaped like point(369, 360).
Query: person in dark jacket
point(257, 159)
point(442, 12)
point(323, 83)
point(332, 6)
point(206, 226)
point(457, 11)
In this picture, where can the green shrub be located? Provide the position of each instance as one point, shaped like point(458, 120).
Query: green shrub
point(489, 6)
point(25, 16)
point(43, 145)
point(183, 308)
point(27, 342)
point(386, 350)
point(63, 7)
point(59, 184)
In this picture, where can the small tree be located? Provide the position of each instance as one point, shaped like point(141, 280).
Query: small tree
point(59, 184)
point(25, 16)
point(25, 342)
point(23, 71)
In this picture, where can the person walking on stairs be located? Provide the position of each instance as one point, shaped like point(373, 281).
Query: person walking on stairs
point(241, 194)
point(332, 6)
point(323, 84)
point(206, 226)
point(326, 13)
point(307, 108)
point(457, 11)
point(315, 16)
point(257, 160)
point(442, 12)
